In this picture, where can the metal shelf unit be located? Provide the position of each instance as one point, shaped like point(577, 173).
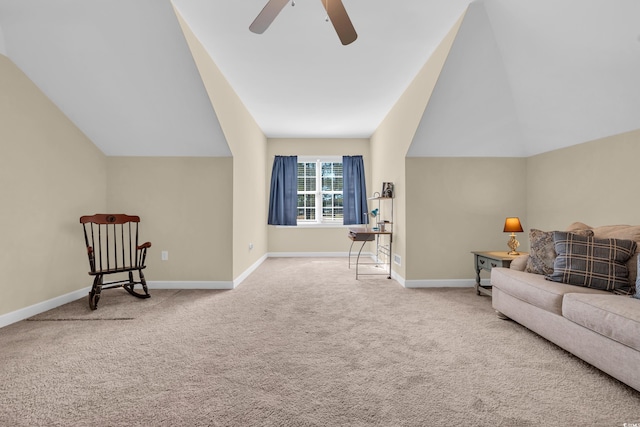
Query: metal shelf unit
point(382, 233)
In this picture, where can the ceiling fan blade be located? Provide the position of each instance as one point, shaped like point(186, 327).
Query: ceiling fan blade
point(340, 20)
point(267, 15)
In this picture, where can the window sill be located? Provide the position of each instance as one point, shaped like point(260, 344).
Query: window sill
point(316, 225)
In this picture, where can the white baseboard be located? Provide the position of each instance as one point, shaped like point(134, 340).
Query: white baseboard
point(41, 307)
point(309, 254)
point(32, 310)
point(216, 285)
point(398, 278)
point(248, 271)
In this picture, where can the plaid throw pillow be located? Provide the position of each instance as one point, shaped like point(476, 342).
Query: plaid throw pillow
point(542, 252)
point(592, 262)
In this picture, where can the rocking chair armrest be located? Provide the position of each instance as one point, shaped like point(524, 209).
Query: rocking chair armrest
point(145, 245)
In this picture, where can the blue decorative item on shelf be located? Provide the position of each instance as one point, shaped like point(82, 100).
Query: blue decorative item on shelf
point(374, 214)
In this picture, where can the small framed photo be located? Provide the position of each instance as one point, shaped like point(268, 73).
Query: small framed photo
point(387, 189)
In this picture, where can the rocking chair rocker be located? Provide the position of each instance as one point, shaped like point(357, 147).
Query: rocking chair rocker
point(112, 247)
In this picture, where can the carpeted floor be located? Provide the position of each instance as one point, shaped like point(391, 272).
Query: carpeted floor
point(299, 343)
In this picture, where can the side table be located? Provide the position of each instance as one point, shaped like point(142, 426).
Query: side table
point(487, 261)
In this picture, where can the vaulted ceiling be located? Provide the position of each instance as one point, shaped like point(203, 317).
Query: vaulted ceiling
point(523, 76)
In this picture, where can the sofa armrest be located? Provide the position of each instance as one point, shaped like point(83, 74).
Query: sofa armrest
point(519, 263)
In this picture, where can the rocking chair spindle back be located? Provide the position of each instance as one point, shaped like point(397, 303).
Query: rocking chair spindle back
point(112, 247)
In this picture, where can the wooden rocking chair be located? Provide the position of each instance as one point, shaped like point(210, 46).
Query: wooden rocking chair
point(112, 247)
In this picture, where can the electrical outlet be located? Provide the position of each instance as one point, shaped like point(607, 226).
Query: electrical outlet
point(250, 246)
point(165, 255)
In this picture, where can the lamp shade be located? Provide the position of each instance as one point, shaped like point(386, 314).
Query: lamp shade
point(512, 225)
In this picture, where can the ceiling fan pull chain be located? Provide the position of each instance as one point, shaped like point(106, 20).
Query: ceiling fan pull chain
point(293, 2)
point(326, 6)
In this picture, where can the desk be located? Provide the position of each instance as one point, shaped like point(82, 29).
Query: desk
point(365, 235)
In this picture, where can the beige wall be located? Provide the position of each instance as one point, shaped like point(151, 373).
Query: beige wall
point(249, 201)
point(458, 205)
point(390, 142)
point(594, 183)
point(185, 207)
point(248, 145)
point(50, 175)
point(301, 239)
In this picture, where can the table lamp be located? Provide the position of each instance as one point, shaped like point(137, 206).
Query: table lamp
point(512, 225)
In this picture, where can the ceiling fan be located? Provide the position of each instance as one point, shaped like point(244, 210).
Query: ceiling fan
point(335, 12)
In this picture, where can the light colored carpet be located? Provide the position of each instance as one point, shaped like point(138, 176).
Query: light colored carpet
point(299, 343)
point(114, 304)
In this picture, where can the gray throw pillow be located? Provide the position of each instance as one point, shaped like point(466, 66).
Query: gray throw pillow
point(592, 262)
point(542, 252)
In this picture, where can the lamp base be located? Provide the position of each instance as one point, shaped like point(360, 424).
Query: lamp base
point(513, 245)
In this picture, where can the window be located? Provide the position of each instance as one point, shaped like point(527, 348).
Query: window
point(320, 191)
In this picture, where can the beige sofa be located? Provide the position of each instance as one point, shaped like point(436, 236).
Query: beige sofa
point(597, 326)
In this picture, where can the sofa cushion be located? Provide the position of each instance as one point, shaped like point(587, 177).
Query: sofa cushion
point(578, 226)
point(613, 316)
point(534, 289)
point(637, 295)
point(592, 262)
point(520, 262)
point(627, 232)
point(542, 252)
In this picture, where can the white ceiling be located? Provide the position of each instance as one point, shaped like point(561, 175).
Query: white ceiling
point(523, 77)
point(298, 80)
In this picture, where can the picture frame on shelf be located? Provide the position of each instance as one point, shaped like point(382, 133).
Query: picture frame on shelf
point(387, 189)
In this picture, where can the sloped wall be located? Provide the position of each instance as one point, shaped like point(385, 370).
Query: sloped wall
point(50, 175)
point(392, 139)
point(248, 146)
point(471, 111)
